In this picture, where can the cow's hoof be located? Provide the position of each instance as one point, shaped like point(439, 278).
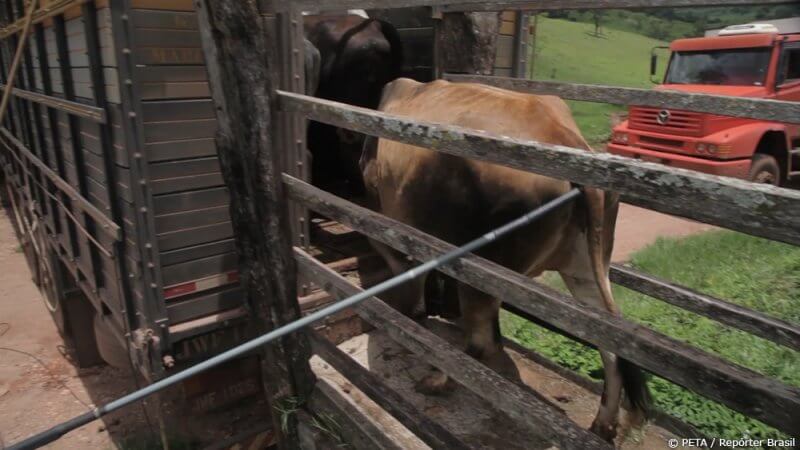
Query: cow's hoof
point(607, 432)
point(436, 383)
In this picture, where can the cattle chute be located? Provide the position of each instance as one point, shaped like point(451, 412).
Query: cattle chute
point(760, 211)
point(450, 257)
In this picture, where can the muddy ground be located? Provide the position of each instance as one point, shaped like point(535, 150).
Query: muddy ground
point(39, 385)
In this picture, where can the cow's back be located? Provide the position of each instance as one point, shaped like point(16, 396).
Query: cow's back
point(456, 198)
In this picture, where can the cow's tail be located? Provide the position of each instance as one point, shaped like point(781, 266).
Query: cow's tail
point(396, 44)
point(601, 220)
point(602, 208)
point(634, 382)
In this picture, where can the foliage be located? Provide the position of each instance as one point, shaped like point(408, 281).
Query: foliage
point(752, 272)
point(328, 425)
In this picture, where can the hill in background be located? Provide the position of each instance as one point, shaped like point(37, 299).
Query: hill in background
point(613, 47)
point(569, 51)
point(673, 23)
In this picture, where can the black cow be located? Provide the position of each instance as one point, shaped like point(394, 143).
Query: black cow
point(313, 61)
point(359, 56)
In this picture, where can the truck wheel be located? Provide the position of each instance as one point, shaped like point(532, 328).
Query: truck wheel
point(765, 169)
point(46, 278)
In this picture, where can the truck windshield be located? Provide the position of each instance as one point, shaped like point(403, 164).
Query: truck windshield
point(737, 67)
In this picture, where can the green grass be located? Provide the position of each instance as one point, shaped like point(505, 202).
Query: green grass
point(752, 272)
point(675, 23)
point(568, 51)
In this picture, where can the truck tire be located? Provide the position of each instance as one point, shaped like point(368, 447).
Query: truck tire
point(46, 276)
point(765, 169)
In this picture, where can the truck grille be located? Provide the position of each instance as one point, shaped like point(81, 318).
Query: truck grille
point(679, 122)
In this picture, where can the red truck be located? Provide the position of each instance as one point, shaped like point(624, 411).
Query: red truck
point(754, 60)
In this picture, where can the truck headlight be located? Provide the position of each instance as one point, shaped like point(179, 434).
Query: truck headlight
point(701, 147)
point(712, 149)
point(620, 138)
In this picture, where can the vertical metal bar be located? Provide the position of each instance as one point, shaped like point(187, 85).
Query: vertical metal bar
point(28, 193)
point(12, 72)
point(13, 105)
point(151, 312)
point(49, 205)
point(291, 128)
point(436, 15)
point(37, 133)
point(532, 35)
point(521, 44)
point(10, 117)
point(65, 65)
point(91, 32)
point(52, 120)
point(27, 134)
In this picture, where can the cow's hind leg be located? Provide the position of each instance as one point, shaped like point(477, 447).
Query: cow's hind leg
point(586, 290)
point(481, 326)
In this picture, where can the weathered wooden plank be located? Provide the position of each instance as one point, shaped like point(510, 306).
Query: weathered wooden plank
point(510, 5)
point(78, 109)
point(504, 395)
point(752, 108)
point(426, 429)
point(739, 388)
point(757, 209)
point(240, 48)
point(761, 325)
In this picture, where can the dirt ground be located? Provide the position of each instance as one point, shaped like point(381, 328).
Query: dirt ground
point(469, 417)
point(39, 386)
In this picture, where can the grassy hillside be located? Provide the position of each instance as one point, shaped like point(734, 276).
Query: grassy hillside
point(674, 23)
point(569, 51)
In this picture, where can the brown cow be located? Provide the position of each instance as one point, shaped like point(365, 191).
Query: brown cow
point(457, 199)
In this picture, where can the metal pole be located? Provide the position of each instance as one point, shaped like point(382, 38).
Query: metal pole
point(56, 432)
point(12, 72)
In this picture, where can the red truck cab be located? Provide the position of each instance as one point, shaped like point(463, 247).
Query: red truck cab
point(756, 60)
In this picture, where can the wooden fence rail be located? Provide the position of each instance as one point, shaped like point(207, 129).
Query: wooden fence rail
point(78, 109)
point(760, 210)
point(432, 433)
point(749, 108)
point(750, 393)
point(756, 323)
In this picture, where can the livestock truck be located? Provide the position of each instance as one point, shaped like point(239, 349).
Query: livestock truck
point(758, 60)
point(113, 183)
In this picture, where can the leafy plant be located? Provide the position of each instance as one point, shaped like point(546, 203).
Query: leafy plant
point(286, 408)
point(328, 425)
